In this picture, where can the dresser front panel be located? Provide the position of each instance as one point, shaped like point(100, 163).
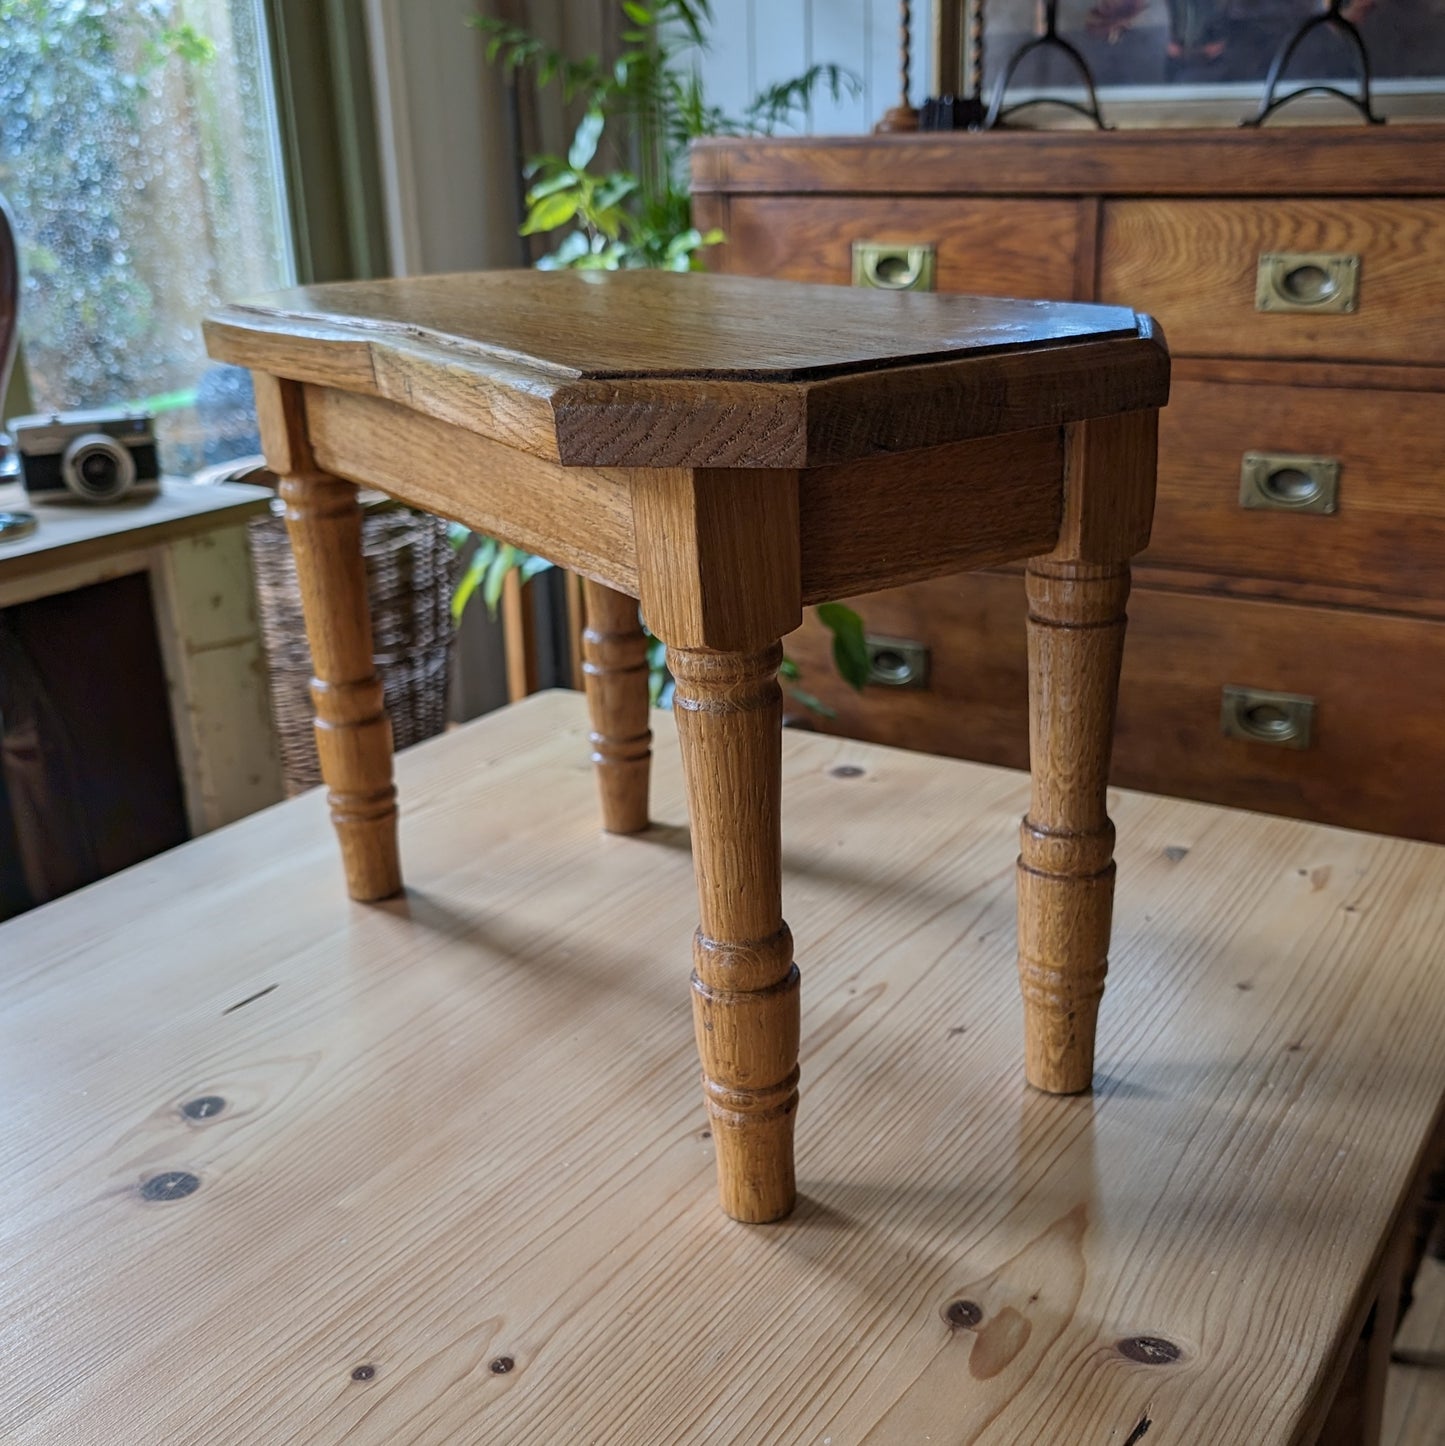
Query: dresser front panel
point(991, 247)
point(1195, 265)
point(1345, 607)
point(1386, 537)
point(1373, 757)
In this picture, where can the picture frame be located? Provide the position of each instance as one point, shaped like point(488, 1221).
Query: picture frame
point(1184, 62)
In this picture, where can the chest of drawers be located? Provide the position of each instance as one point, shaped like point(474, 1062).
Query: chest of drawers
point(1287, 630)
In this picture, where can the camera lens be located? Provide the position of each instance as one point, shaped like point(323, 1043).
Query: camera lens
point(97, 471)
point(97, 468)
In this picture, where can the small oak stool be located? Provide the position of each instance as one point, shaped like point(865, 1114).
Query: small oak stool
point(729, 451)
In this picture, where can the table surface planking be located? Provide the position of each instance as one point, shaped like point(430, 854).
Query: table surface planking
point(457, 1187)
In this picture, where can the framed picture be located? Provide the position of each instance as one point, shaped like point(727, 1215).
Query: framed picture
point(1179, 59)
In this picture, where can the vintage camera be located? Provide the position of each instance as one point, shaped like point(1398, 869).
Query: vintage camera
point(96, 457)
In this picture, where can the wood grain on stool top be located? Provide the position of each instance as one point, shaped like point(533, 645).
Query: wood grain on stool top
point(627, 369)
point(691, 326)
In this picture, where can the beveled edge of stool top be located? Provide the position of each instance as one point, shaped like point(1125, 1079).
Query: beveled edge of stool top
point(645, 368)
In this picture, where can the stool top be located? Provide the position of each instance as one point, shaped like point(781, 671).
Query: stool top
point(653, 368)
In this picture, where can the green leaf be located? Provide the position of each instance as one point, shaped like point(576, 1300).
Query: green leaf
point(531, 565)
point(188, 43)
point(550, 212)
point(615, 188)
point(584, 142)
point(466, 586)
point(788, 670)
point(502, 564)
point(814, 705)
point(573, 246)
point(790, 99)
point(550, 185)
point(689, 240)
point(650, 100)
point(471, 579)
point(850, 652)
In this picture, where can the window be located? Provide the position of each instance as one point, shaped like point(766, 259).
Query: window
point(139, 153)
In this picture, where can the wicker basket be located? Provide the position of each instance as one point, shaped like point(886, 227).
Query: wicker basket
point(410, 573)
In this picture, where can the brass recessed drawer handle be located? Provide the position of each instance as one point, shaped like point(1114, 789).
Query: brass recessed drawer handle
point(897, 662)
point(893, 265)
point(1285, 482)
point(1307, 281)
point(1257, 715)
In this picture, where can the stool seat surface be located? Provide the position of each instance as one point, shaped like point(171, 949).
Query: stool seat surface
point(615, 324)
point(282, 1168)
point(661, 369)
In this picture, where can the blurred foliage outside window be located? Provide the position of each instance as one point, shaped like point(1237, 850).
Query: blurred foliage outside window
point(139, 152)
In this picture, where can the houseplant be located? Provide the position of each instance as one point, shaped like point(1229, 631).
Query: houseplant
point(619, 199)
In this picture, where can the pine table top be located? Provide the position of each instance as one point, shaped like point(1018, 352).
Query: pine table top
point(284, 1168)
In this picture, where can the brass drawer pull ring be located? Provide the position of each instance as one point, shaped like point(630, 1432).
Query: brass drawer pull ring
point(1326, 281)
point(893, 266)
point(897, 662)
point(1285, 482)
point(1256, 715)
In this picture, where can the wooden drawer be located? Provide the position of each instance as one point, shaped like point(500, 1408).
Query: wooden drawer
point(988, 247)
point(1375, 756)
point(1387, 537)
point(1193, 264)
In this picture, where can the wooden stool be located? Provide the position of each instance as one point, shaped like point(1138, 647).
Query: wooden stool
point(729, 451)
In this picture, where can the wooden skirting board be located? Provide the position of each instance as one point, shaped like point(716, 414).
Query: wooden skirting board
point(281, 1167)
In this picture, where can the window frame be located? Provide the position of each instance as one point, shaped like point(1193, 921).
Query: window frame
point(327, 121)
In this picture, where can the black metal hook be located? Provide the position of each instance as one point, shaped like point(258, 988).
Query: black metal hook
point(1049, 39)
point(1331, 18)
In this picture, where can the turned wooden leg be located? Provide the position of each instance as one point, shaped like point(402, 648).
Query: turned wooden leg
point(614, 670)
point(1066, 859)
point(744, 984)
point(719, 567)
point(353, 733)
point(1076, 600)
